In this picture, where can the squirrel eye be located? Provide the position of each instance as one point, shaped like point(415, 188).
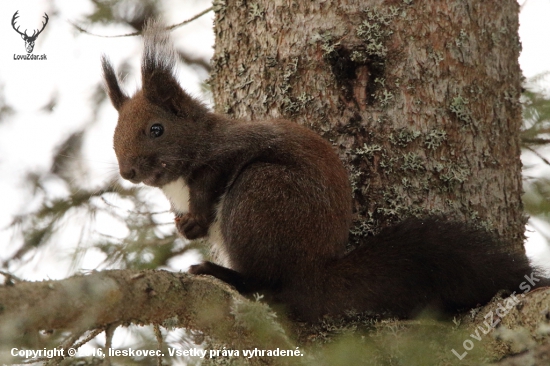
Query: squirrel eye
point(156, 130)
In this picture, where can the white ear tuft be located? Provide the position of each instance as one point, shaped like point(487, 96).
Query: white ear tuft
point(158, 53)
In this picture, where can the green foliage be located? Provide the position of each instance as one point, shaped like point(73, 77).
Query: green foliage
point(357, 339)
point(535, 138)
point(144, 247)
point(536, 118)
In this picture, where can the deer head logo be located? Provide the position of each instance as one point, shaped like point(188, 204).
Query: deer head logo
point(29, 40)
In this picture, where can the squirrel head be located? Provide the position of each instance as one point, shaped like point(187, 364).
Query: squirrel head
point(160, 126)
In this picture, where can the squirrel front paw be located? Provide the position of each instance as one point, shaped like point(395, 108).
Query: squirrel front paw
point(189, 226)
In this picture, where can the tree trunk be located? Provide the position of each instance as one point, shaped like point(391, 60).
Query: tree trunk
point(420, 97)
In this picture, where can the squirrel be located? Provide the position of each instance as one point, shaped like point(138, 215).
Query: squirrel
point(276, 200)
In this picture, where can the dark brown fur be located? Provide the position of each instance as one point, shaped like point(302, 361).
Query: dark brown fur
point(285, 209)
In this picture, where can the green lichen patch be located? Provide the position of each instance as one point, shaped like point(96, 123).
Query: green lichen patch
point(403, 137)
point(459, 107)
point(452, 174)
point(294, 105)
point(412, 162)
point(328, 45)
point(374, 30)
point(365, 226)
point(388, 163)
point(384, 98)
point(355, 178)
point(435, 138)
point(255, 11)
point(368, 150)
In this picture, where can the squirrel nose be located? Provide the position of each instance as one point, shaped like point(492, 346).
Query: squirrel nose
point(128, 173)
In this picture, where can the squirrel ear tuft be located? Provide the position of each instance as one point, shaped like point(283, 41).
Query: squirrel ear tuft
point(111, 83)
point(158, 69)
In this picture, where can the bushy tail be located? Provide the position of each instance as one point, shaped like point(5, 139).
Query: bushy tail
point(427, 263)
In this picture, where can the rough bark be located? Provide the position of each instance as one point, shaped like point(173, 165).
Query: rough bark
point(420, 97)
point(520, 324)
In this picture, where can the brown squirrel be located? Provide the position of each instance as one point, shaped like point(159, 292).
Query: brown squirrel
point(276, 200)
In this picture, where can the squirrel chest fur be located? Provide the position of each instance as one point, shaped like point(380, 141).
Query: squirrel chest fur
point(276, 200)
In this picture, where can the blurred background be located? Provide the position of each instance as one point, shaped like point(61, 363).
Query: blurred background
point(63, 208)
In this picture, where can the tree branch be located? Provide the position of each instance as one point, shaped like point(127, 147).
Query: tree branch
point(545, 161)
point(535, 141)
point(138, 33)
point(138, 297)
